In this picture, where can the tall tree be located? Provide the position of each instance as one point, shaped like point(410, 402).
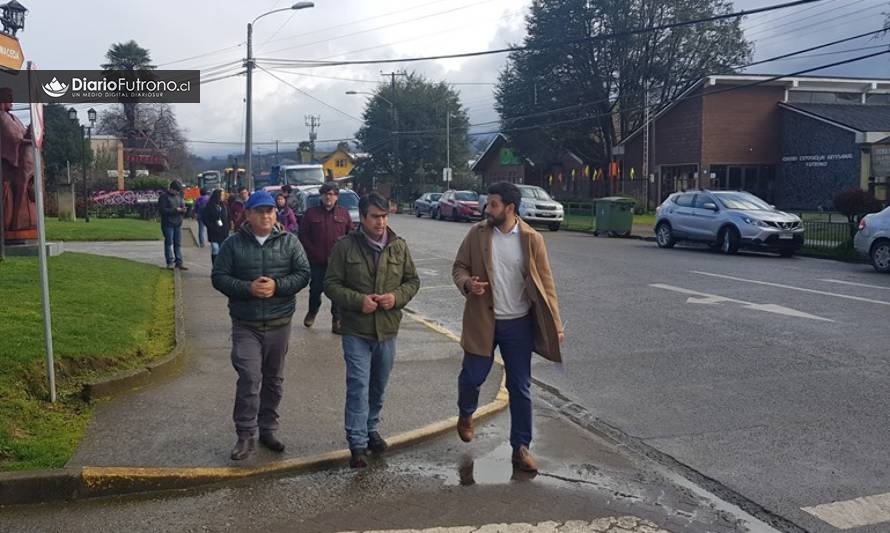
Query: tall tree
point(599, 86)
point(422, 107)
point(132, 57)
point(157, 124)
point(62, 144)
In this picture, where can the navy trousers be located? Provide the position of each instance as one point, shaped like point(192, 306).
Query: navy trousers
point(516, 339)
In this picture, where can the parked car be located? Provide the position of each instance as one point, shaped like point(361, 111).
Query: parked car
point(538, 208)
point(873, 239)
point(310, 198)
point(424, 204)
point(457, 206)
point(728, 220)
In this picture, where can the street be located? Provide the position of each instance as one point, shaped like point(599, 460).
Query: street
point(764, 374)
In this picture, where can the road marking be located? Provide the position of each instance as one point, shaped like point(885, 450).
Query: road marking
point(703, 298)
point(858, 512)
point(438, 287)
point(793, 288)
point(866, 285)
point(630, 524)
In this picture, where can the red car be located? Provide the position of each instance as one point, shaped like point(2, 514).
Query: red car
point(457, 206)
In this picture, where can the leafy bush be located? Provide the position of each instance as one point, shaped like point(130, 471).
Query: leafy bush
point(150, 183)
point(855, 204)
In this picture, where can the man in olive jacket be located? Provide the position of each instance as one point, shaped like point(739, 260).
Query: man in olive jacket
point(260, 268)
point(370, 277)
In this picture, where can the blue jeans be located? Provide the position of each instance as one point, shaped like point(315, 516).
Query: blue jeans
point(172, 244)
point(214, 248)
point(368, 364)
point(516, 340)
point(201, 231)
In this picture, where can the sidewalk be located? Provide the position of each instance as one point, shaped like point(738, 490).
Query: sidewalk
point(185, 421)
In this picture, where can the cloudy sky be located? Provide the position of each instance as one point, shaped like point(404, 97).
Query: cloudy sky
point(209, 35)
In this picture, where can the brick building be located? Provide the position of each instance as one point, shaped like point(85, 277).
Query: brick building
point(794, 142)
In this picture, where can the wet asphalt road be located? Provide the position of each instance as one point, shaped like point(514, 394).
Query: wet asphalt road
point(768, 375)
point(438, 484)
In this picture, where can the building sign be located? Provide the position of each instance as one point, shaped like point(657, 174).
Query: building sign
point(11, 55)
point(816, 160)
point(880, 160)
point(508, 158)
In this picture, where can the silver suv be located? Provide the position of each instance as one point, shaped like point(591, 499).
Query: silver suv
point(727, 220)
point(539, 208)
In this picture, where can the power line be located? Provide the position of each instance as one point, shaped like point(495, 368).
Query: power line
point(642, 108)
point(613, 35)
point(322, 102)
point(360, 32)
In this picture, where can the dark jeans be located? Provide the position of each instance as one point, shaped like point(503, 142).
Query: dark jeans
point(258, 357)
point(172, 244)
point(368, 365)
point(316, 287)
point(516, 339)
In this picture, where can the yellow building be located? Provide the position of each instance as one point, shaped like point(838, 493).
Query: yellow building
point(339, 163)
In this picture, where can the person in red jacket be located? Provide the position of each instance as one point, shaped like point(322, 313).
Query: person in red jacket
point(319, 229)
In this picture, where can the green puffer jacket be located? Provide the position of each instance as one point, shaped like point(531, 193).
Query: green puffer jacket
point(241, 260)
point(351, 276)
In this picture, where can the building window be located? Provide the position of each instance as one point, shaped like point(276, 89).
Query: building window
point(824, 97)
point(756, 179)
point(341, 163)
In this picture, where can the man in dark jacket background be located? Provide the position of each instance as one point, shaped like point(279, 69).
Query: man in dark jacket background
point(260, 268)
point(370, 277)
point(172, 208)
point(320, 228)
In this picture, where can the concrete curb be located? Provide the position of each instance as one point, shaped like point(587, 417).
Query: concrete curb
point(90, 481)
point(166, 366)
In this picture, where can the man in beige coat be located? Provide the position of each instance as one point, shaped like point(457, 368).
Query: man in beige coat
point(503, 271)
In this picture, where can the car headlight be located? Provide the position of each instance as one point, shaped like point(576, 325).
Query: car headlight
point(755, 222)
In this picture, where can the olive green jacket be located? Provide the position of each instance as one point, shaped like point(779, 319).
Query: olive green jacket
point(351, 276)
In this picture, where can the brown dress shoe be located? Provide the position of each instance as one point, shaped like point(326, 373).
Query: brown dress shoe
point(523, 460)
point(465, 428)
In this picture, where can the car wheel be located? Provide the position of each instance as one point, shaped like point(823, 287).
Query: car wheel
point(417, 212)
point(434, 214)
point(455, 217)
point(880, 256)
point(729, 240)
point(554, 227)
point(786, 253)
point(664, 236)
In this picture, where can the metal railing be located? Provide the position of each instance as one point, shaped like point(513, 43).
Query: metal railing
point(825, 235)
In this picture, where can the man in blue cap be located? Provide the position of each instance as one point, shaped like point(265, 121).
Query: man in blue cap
point(260, 268)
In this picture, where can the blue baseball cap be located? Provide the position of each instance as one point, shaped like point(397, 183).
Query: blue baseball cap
point(260, 199)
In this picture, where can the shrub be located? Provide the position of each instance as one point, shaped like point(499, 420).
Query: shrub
point(854, 204)
point(150, 183)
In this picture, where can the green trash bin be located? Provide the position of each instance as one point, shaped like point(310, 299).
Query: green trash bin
point(614, 216)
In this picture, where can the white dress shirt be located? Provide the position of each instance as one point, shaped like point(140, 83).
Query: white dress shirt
point(508, 285)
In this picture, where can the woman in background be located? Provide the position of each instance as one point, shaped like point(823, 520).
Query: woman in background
point(216, 218)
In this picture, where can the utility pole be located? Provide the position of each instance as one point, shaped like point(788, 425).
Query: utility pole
point(276, 151)
point(312, 122)
point(645, 169)
point(397, 166)
point(248, 123)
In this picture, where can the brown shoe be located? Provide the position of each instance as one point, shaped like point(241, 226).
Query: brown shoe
point(465, 428)
point(523, 460)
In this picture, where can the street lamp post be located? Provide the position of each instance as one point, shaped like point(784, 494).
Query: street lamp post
point(249, 64)
point(85, 131)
